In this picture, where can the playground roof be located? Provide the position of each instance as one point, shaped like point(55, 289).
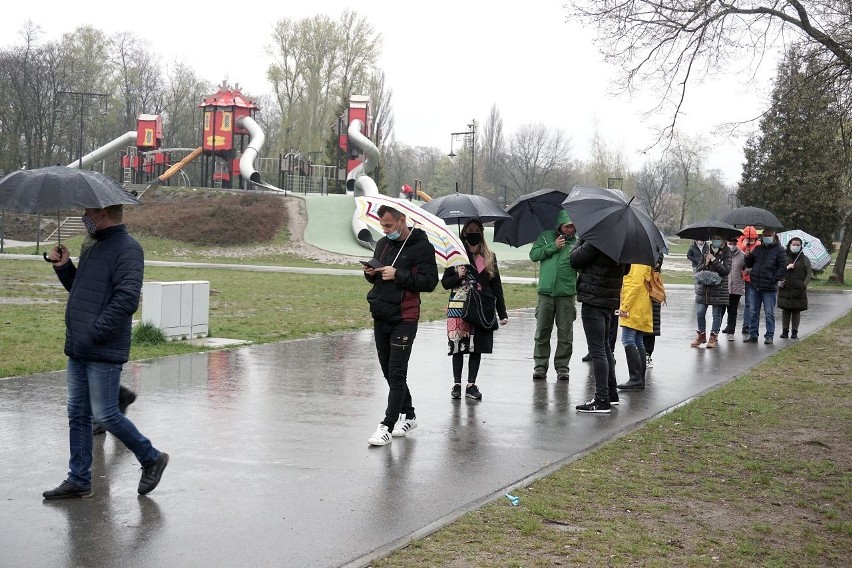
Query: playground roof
point(228, 96)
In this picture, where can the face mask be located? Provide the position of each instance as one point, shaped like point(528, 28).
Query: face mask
point(473, 239)
point(717, 243)
point(732, 247)
point(395, 235)
point(91, 226)
point(795, 248)
point(768, 241)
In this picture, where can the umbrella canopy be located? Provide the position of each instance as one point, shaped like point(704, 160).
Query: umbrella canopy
point(703, 230)
point(812, 247)
point(459, 207)
point(530, 214)
point(449, 250)
point(616, 225)
point(59, 187)
point(755, 216)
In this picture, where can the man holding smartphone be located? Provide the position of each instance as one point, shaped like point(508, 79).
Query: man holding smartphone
point(405, 267)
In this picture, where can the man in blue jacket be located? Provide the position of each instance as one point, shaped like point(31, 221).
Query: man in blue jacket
point(767, 264)
point(103, 294)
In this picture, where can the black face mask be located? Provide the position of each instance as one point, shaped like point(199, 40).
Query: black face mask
point(473, 239)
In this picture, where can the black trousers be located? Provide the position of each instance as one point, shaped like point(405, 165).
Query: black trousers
point(732, 308)
point(394, 341)
point(597, 326)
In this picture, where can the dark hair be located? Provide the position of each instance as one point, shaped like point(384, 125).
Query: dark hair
point(387, 209)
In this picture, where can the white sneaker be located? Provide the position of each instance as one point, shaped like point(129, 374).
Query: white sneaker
point(381, 437)
point(648, 363)
point(404, 426)
point(730, 337)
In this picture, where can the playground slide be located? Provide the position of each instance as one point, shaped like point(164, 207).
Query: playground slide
point(175, 168)
point(256, 140)
point(359, 183)
point(126, 139)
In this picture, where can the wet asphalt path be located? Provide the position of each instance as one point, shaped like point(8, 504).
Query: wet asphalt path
point(269, 458)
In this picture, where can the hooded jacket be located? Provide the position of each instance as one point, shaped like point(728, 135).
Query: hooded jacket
point(600, 278)
point(556, 275)
point(398, 300)
point(103, 295)
point(768, 265)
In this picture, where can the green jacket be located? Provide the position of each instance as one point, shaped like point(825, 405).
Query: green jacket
point(557, 277)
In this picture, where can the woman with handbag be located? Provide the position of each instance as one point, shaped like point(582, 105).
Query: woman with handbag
point(476, 289)
point(711, 289)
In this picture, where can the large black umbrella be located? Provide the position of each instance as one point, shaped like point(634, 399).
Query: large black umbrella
point(617, 226)
point(754, 216)
point(530, 214)
point(460, 207)
point(703, 230)
point(57, 187)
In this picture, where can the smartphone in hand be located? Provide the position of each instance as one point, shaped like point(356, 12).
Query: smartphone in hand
point(372, 263)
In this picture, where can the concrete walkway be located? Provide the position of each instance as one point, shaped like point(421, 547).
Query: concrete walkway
point(270, 464)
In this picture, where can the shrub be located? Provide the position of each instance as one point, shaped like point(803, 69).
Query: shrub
point(148, 334)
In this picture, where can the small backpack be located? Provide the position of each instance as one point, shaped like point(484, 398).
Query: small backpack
point(655, 287)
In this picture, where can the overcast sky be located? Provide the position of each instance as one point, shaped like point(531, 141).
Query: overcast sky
point(447, 62)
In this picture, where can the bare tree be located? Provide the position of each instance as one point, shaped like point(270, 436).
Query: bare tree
point(688, 157)
point(535, 152)
point(140, 81)
point(666, 46)
point(653, 184)
point(493, 145)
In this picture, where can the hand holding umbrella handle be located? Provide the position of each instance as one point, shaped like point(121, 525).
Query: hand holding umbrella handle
point(58, 256)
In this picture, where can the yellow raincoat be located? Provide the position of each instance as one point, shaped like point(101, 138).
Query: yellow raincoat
point(636, 301)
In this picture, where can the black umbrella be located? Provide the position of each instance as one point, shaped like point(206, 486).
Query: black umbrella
point(57, 187)
point(754, 216)
point(617, 226)
point(703, 230)
point(460, 207)
point(530, 214)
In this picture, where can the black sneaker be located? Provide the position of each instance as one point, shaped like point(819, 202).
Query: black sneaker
point(67, 490)
point(562, 375)
point(456, 392)
point(539, 375)
point(595, 405)
point(151, 474)
point(473, 392)
point(613, 399)
point(586, 358)
point(750, 339)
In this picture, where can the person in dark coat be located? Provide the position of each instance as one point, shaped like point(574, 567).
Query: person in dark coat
point(767, 265)
point(793, 292)
point(599, 290)
point(483, 272)
point(104, 293)
point(696, 253)
point(408, 267)
point(650, 339)
point(717, 260)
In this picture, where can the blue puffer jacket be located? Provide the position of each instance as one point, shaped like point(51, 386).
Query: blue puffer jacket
point(768, 265)
point(104, 294)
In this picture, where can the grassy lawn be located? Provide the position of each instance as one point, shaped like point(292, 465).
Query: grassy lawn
point(756, 473)
point(257, 306)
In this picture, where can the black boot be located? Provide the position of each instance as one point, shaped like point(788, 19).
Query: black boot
point(794, 334)
point(783, 334)
point(643, 356)
point(634, 368)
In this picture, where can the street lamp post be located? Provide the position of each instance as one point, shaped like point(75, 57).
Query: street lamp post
point(83, 97)
point(469, 137)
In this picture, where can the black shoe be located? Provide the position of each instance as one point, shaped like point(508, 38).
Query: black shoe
point(783, 335)
point(795, 334)
point(767, 341)
point(126, 397)
point(456, 392)
point(595, 405)
point(586, 358)
point(473, 392)
point(67, 490)
point(745, 331)
point(98, 429)
point(563, 375)
point(613, 399)
point(539, 375)
point(750, 339)
point(151, 474)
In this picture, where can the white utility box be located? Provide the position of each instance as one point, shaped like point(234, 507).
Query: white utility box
point(180, 309)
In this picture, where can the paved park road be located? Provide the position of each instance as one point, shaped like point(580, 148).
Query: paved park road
point(269, 458)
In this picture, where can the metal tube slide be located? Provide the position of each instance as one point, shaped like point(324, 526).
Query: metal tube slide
point(371, 160)
point(256, 141)
point(109, 148)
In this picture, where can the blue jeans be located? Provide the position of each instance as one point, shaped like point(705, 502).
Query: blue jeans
point(630, 336)
point(701, 318)
point(93, 393)
point(767, 299)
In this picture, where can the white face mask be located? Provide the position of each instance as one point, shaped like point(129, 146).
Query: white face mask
point(732, 247)
point(795, 248)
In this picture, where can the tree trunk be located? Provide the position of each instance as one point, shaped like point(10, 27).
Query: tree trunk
point(842, 253)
